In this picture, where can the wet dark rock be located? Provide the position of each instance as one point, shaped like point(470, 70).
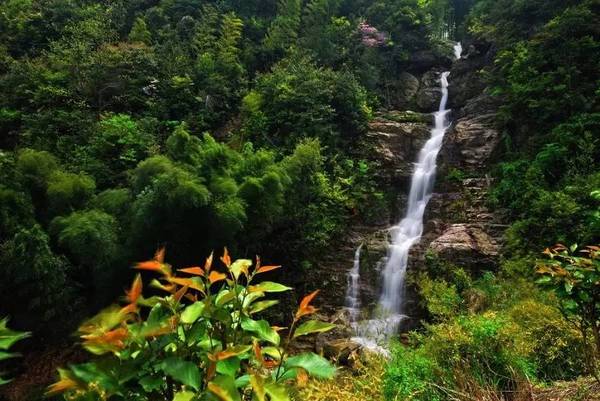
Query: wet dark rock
point(425, 60)
point(429, 94)
point(395, 145)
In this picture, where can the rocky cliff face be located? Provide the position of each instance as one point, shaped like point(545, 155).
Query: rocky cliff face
point(459, 227)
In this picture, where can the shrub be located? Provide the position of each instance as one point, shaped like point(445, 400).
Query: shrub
point(470, 354)
point(441, 299)
point(551, 342)
point(67, 192)
point(201, 341)
point(34, 282)
point(576, 282)
point(410, 375)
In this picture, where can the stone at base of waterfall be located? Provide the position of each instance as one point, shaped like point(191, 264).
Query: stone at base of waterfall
point(465, 245)
point(343, 351)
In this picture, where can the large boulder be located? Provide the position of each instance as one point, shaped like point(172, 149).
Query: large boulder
point(407, 86)
point(424, 60)
point(341, 350)
point(471, 143)
point(466, 245)
point(396, 145)
point(429, 94)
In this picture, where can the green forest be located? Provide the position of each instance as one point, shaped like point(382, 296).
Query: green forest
point(183, 185)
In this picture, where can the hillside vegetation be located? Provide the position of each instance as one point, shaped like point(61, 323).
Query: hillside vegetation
point(131, 126)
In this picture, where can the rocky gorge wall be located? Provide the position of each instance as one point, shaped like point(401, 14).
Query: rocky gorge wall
point(459, 227)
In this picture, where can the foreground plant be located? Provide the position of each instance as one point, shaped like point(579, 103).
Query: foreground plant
point(7, 338)
point(575, 278)
point(202, 341)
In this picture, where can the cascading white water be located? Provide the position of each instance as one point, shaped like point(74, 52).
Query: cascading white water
point(353, 288)
point(409, 230)
point(458, 50)
point(371, 333)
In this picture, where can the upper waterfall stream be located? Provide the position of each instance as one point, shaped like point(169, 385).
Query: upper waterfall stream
point(404, 235)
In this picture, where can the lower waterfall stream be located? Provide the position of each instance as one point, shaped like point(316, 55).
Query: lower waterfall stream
point(375, 332)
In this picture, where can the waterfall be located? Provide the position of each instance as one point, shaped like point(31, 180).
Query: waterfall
point(458, 50)
point(409, 230)
point(374, 332)
point(353, 288)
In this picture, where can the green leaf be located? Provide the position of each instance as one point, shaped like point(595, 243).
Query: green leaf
point(277, 392)
point(240, 266)
point(229, 367)
point(258, 387)
point(313, 326)
point(242, 381)
point(269, 286)
point(314, 365)
point(224, 297)
point(7, 355)
point(183, 396)
point(183, 371)
point(224, 388)
point(262, 329)
point(151, 383)
point(544, 280)
point(192, 312)
point(103, 375)
point(262, 305)
point(8, 337)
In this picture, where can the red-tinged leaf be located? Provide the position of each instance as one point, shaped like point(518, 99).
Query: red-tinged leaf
point(159, 256)
point(278, 328)
point(226, 259)
point(110, 341)
point(208, 263)
point(194, 284)
point(307, 299)
point(212, 369)
point(270, 364)
point(257, 352)
point(191, 297)
point(151, 265)
point(215, 276)
point(131, 308)
point(305, 308)
point(195, 271)
point(180, 293)
point(136, 290)
point(301, 377)
point(305, 311)
point(61, 386)
point(265, 269)
point(229, 352)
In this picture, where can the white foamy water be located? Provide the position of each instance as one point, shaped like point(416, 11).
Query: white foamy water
point(353, 288)
point(458, 50)
point(375, 333)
